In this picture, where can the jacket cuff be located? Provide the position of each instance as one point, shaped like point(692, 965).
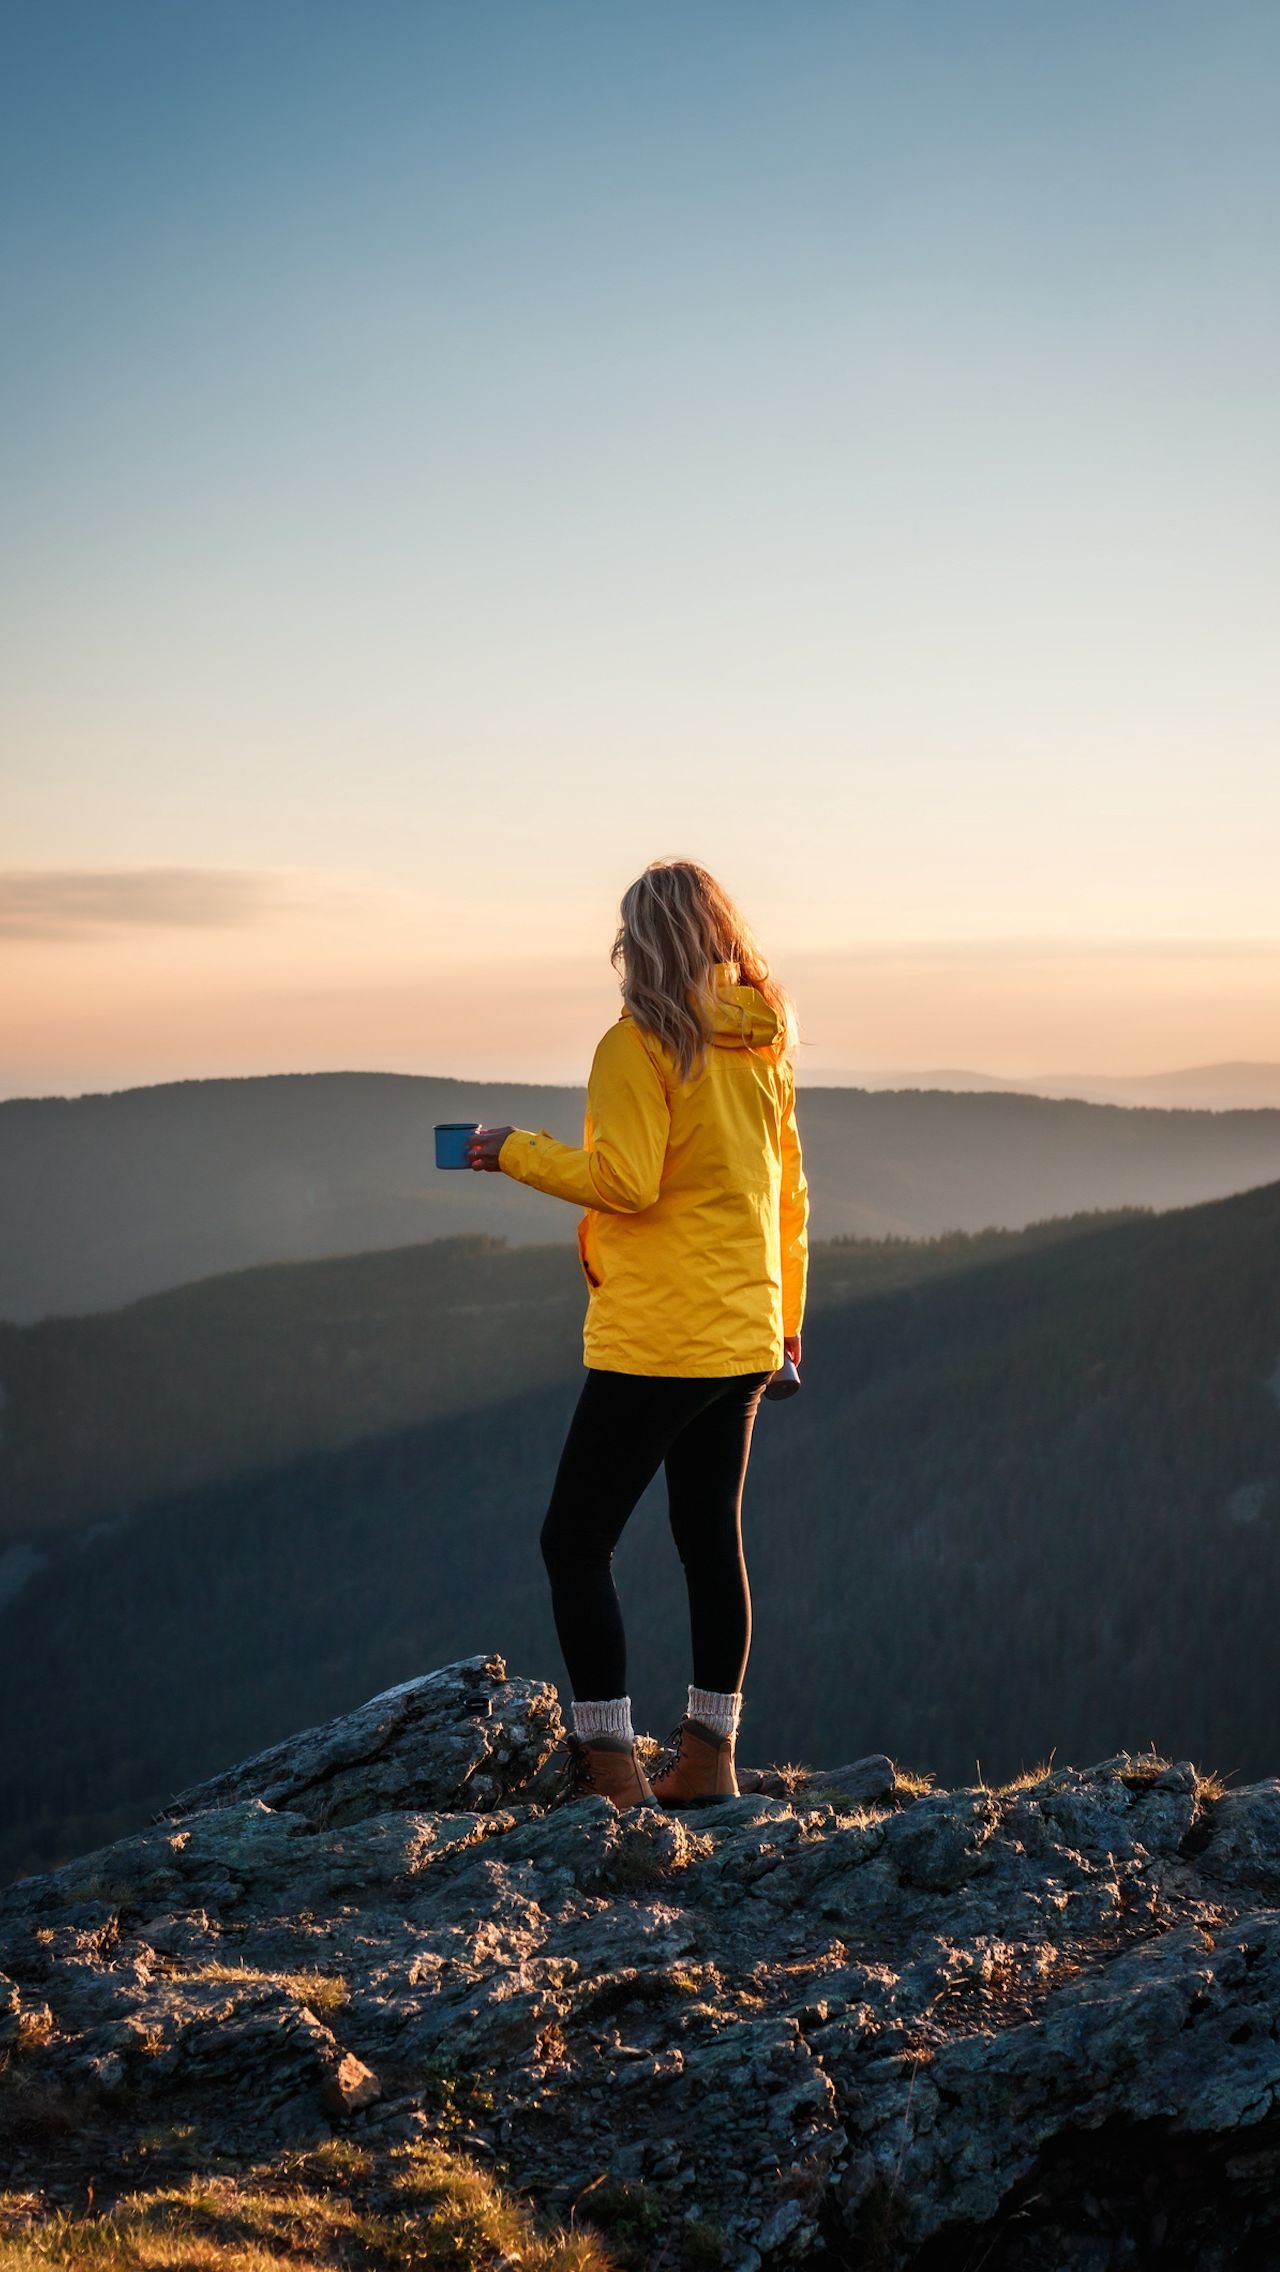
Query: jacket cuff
point(514, 1149)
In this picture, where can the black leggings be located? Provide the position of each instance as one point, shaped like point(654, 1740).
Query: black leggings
point(625, 1426)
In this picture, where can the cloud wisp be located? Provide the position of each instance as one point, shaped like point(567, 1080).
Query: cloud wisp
point(75, 903)
point(1056, 948)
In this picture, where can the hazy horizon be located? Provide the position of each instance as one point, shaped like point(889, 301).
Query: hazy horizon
point(457, 456)
point(1230, 1085)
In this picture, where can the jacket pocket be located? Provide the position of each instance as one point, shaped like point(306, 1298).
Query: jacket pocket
point(586, 1251)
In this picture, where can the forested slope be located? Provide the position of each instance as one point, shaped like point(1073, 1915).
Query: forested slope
point(1026, 1501)
point(258, 1366)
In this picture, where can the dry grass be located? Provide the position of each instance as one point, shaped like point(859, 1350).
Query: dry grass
point(471, 2221)
point(330, 2208)
point(322, 1992)
point(1142, 1768)
point(791, 1774)
point(1022, 1782)
point(910, 1783)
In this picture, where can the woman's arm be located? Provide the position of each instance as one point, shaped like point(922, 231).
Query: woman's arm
point(619, 1167)
point(794, 1215)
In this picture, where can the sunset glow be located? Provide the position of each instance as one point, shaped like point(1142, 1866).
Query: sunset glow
point(457, 456)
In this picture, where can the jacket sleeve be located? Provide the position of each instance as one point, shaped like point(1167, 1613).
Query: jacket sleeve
point(628, 1121)
point(794, 1214)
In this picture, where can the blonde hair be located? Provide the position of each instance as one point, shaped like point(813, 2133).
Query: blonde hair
point(677, 923)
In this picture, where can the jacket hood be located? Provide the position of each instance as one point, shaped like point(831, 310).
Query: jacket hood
point(739, 1017)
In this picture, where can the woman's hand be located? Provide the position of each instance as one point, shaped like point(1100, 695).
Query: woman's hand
point(483, 1148)
point(791, 1343)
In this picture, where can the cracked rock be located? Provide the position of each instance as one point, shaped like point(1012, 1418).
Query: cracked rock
point(833, 2016)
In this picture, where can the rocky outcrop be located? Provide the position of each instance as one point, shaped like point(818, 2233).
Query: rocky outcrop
point(841, 2016)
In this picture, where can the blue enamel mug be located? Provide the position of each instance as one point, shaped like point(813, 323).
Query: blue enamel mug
point(452, 1138)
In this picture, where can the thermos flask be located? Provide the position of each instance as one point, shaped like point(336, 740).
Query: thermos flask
point(785, 1382)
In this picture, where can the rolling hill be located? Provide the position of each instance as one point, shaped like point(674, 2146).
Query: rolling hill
point(105, 1198)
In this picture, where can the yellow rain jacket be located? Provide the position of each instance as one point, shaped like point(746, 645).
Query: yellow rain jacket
point(694, 1243)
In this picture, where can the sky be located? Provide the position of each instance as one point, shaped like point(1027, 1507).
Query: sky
point(457, 451)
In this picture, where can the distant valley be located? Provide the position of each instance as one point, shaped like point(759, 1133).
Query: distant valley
point(105, 1198)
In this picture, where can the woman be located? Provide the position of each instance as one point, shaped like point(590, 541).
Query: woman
point(694, 1245)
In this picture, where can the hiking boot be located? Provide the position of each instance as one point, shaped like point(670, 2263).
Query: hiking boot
point(607, 1769)
point(696, 1769)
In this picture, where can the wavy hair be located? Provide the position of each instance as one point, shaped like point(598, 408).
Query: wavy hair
point(677, 923)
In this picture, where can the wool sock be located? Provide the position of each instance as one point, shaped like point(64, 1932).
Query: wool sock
point(611, 1716)
point(713, 1709)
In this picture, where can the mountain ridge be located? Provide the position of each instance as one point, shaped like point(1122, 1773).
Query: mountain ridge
point(105, 1199)
point(1234, 1085)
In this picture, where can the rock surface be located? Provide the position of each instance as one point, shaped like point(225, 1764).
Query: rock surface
point(840, 2017)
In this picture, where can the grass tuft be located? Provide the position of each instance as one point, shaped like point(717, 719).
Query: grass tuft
point(1024, 1781)
point(910, 1783)
point(326, 2209)
point(322, 1992)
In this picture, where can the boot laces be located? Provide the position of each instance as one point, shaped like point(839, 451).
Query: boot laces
point(577, 1777)
point(577, 1780)
point(669, 1757)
